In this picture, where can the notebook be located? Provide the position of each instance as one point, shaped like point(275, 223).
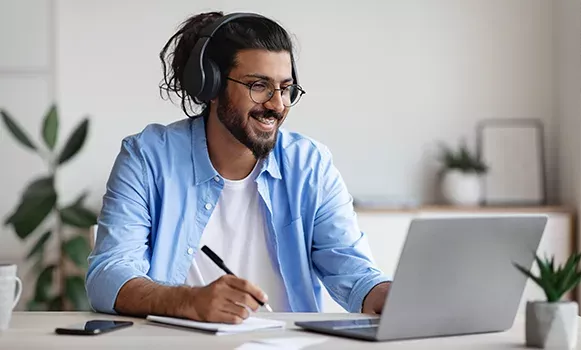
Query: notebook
point(248, 325)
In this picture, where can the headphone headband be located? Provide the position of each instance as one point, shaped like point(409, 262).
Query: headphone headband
point(202, 78)
point(211, 29)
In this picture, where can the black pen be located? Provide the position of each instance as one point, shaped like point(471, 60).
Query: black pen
point(216, 259)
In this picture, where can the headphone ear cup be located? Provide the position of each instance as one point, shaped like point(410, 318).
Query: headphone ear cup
point(212, 82)
point(194, 77)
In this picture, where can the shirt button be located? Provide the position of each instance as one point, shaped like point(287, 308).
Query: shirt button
point(208, 206)
point(217, 178)
point(190, 251)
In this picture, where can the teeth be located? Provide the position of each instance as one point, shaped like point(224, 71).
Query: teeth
point(267, 121)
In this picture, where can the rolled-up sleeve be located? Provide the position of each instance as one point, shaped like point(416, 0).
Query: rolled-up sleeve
point(121, 250)
point(340, 252)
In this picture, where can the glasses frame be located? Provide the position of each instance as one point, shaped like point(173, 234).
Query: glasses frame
point(249, 86)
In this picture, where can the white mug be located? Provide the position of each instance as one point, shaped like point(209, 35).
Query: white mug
point(10, 291)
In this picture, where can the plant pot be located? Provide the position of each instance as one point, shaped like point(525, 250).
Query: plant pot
point(552, 325)
point(461, 188)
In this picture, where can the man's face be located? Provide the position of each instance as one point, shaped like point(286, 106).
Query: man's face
point(254, 124)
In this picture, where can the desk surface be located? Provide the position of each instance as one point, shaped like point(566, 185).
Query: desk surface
point(35, 330)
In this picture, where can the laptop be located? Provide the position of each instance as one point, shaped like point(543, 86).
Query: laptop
point(455, 276)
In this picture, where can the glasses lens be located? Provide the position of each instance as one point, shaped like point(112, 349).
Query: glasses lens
point(291, 95)
point(261, 91)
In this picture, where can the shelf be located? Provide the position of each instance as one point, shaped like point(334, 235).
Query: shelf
point(467, 209)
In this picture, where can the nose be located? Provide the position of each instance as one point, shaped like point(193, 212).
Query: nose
point(275, 103)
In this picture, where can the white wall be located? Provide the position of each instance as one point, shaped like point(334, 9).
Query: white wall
point(567, 48)
point(567, 43)
point(385, 80)
point(26, 88)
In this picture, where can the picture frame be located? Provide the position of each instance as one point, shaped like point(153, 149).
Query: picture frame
point(514, 151)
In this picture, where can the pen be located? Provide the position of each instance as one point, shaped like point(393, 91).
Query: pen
point(216, 259)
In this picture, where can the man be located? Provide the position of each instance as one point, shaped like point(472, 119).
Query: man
point(267, 201)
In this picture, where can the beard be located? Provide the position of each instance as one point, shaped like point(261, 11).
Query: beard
point(260, 143)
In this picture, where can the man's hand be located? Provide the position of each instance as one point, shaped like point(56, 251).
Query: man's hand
point(224, 300)
point(373, 302)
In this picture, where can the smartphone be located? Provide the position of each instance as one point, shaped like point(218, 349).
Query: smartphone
point(93, 327)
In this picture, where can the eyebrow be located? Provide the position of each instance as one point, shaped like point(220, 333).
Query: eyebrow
point(264, 77)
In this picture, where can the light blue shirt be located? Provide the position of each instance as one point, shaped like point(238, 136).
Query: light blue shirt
point(160, 195)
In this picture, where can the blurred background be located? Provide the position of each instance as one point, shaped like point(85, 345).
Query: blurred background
point(387, 83)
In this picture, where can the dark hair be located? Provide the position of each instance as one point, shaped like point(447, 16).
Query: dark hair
point(240, 34)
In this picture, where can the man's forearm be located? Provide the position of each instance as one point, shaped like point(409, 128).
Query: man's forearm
point(142, 297)
point(374, 300)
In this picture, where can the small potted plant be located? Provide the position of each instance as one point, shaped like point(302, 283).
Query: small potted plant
point(552, 323)
point(461, 182)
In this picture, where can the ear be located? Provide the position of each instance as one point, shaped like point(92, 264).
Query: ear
point(213, 105)
point(215, 100)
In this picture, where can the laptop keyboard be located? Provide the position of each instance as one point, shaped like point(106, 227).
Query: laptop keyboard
point(363, 327)
point(369, 331)
point(354, 324)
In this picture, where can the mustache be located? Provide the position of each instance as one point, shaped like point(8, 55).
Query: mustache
point(268, 113)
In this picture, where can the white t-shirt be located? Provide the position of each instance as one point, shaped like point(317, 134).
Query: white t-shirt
point(236, 232)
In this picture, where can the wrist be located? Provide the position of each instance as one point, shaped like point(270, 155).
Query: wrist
point(375, 298)
point(179, 300)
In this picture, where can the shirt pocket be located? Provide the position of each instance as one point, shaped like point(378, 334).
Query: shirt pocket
point(294, 228)
point(295, 242)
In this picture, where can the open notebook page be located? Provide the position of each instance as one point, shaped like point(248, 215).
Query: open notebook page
point(250, 324)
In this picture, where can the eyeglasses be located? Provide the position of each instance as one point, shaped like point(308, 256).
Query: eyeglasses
point(261, 91)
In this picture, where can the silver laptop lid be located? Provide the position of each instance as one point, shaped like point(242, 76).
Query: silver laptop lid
point(455, 276)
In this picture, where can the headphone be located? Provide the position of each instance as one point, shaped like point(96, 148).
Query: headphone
point(202, 78)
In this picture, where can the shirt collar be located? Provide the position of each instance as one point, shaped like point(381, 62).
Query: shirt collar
point(203, 168)
point(270, 165)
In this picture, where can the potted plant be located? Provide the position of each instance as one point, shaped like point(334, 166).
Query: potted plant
point(461, 182)
point(41, 215)
point(552, 323)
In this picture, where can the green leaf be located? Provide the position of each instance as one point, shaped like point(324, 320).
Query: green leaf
point(76, 293)
point(50, 127)
point(81, 199)
point(568, 272)
point(75, 142)
point(78, 250)
point(16, 130)
point(39, 245)
point(34, 305)
point(548, 279)
point(36, 203)
point(551, 263)
point(56, 303)
point(78, 216)
point(40, 187)
point(44, 284)
point(555, 280)
point(529, 274)
point(30, 214)
point(544, 269)
point(461, 159)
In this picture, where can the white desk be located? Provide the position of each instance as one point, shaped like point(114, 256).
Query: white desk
point(35, 330)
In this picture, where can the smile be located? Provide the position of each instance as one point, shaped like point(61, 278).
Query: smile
point(265, 124)
point(266, 121)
